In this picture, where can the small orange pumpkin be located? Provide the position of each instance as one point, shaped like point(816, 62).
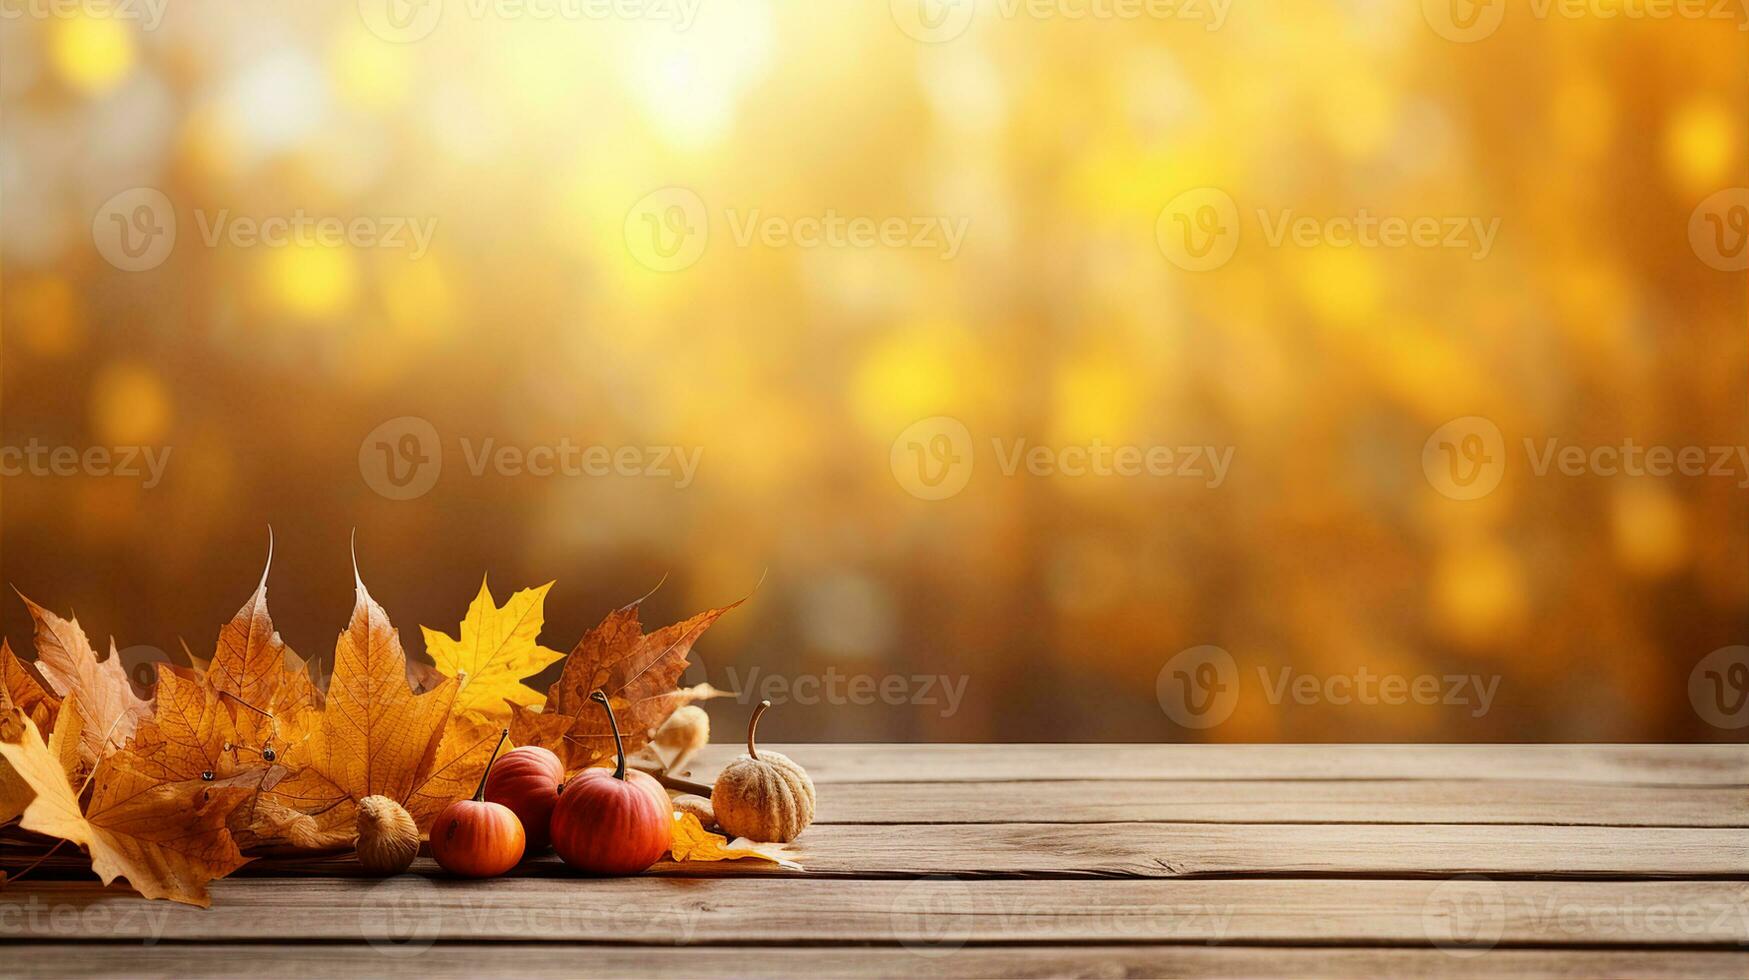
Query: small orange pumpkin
point(477, 839)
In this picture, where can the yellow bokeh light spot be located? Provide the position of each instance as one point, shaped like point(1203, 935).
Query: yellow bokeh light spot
point(368, 73)
point(44, 316)
point(1341, 285)
point(1095, 398)
point(930, 369)
point(129, 405)
point(1359, 112)
point(91, 54)
point(1650, 529)
point(418, 299)
point(309, 281)
point(1699, 143)
point(1478, 593)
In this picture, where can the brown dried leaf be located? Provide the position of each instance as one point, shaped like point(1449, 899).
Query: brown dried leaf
point(637, 670)
point(70, 665)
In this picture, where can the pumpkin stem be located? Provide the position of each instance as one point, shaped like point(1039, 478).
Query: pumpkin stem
point(753, 726)
point(619, 746)
point(480, 793)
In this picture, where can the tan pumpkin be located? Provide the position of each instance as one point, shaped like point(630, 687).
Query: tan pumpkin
point(388, 840)
point(765, 797)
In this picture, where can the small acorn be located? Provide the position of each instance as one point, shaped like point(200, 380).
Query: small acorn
point(763, 797)
point(699, 807)
point(388, 839)
point(686, 731)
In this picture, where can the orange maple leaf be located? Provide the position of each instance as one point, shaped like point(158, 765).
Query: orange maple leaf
point(69, 664)
point(167, 839)
point(376, 736)
point(21, 687)
point(637, 670)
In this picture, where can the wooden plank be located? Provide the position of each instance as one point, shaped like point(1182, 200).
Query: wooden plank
point(1173, 850)
point(1655, 765)
point(465, 962)
point(1163, 850)
point(927, 912)
point(1286, 801)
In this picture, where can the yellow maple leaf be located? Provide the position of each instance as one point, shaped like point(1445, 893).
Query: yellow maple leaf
point(63, 747)
point(497, 648)
point(694, 843)
point(167, 839)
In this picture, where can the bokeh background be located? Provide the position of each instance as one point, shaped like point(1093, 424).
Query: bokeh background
point(538, 314)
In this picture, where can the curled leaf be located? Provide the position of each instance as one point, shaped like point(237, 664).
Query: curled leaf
point(694, 843)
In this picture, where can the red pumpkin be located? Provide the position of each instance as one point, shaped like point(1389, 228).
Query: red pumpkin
point(527, 781)
point(475, 838)
point(612, 823)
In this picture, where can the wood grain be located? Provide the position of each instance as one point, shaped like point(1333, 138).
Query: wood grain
point(928, 913)
point(1651, 765)
point(1283, 801)
point(466, 962)
point(1040, 861)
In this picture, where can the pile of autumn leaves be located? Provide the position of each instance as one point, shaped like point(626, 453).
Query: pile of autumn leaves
point(246, 753)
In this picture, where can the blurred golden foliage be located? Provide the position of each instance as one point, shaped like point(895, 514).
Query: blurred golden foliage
point(395, 240)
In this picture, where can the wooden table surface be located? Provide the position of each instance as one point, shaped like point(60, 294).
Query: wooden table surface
point(1045, 860)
